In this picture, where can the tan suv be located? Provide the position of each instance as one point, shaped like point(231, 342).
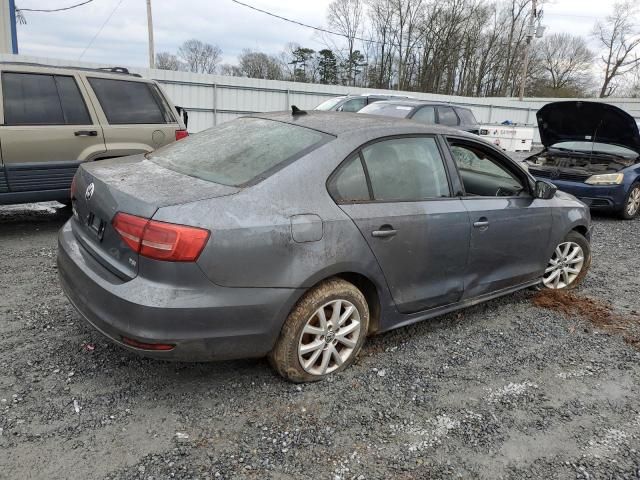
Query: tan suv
point(55, 118)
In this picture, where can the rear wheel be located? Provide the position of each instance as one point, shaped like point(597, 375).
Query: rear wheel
point(632, 203)
point(569, 263)
point(323, 334)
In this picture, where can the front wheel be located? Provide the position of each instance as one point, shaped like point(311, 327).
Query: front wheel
point(323, 334)
point(569, 263)
point(631, 203)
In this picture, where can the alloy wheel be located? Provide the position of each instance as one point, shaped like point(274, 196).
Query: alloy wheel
point(564, 267)
point(633, 204)
point(329, 337)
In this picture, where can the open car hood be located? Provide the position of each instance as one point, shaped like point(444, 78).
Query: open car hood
point(587, 122)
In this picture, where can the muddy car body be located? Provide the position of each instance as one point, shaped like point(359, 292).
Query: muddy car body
point(592, 150)
point(372, 221)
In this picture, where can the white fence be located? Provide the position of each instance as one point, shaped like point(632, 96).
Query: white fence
point(213, 99)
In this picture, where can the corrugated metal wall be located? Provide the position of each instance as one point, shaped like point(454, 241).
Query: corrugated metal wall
point(214, 99)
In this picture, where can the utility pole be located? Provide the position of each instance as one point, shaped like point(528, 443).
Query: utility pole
point(533, 30)
point(152, 55)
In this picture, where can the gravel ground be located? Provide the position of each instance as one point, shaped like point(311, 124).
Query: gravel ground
point(506, 389)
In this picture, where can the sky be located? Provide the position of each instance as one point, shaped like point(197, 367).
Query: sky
point(123, 40)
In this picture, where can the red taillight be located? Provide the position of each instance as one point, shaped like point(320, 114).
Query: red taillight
point(147, 346)
point(180, 134)
point(73, 188)
point(161, 240)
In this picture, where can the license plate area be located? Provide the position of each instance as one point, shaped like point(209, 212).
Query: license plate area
point(95, 225)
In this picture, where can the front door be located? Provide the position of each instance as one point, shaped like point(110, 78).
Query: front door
point(403, 207)
point(510, 228)
point(47, 132)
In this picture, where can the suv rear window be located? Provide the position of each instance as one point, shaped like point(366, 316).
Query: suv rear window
point(36, 99)
point(240, 152)
point(125, 102)
point(466, 116)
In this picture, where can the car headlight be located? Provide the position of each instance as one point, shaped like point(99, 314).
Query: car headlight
point(605, 179)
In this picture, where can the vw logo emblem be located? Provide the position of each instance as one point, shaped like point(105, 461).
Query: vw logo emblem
point(89, 193)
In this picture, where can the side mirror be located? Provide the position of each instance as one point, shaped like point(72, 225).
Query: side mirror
point(545, 190)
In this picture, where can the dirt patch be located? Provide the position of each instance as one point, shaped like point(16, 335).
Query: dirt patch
point(598, 313)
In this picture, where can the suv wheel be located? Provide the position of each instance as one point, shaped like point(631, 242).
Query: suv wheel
point(631, 203)
point(569, 263)
point(323, 334)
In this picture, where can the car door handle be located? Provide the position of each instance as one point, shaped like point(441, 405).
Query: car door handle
point(86, 133)
point(481, 224)
point(384, 233)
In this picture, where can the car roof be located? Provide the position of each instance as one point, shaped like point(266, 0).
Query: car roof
point(344, 124)
point(115, 71)
point(414, 103)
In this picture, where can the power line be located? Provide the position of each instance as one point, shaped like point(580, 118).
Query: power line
point(319, 29)
point(54, 9)
point(100, 30)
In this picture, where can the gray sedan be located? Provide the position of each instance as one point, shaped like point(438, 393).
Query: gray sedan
point(297, 235)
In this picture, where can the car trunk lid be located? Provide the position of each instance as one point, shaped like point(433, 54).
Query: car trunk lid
point(132, 185)
point(587, 121)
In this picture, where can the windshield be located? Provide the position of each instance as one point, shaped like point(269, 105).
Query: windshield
point(596, 147)
point(238, 152)
point(387, 109)
point(329, 104)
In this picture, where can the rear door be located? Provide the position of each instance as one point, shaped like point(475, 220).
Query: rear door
point(398, 194)
point(48, 130)
point(510, 228)
point(135, 114)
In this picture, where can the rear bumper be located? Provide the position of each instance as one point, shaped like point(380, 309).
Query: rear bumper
point(597, 197)
point(203, 321)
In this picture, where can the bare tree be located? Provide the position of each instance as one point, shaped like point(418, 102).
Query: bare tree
point(619, 37)
point(200, 57)
point(345, 16)
point(562, 62)
point(259, 65)
point(167, 61)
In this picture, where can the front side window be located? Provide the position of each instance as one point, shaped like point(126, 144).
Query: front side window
point(35, 99)
point(484, 175)
point(238, 152)
point(126, 102)
point(353, 105)
point(406, 169)
point(446, 116)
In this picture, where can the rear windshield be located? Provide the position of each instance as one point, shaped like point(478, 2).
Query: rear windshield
point(240, 152)
point(387, 110)
point(466, 116)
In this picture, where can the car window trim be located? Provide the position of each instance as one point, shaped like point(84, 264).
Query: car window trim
point(55, 83)
point(512, 167)
point(359, 149)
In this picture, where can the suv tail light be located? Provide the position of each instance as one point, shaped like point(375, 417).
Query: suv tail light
point(180, 134)
point(160, 240)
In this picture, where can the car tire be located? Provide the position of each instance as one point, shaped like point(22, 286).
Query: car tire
point(631, 206)
point(323, 334)
point(563, 262)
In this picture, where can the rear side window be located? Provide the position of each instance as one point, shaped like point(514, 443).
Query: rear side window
point(387, 110)
point(406, 169)
point(466, 116)
point(446, 116)
point(349, 184)
point(425, 115)
point(35, 99)
point(239, 152)
point(125, 102)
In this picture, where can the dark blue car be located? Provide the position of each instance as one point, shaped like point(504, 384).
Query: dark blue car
point(592, 150)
